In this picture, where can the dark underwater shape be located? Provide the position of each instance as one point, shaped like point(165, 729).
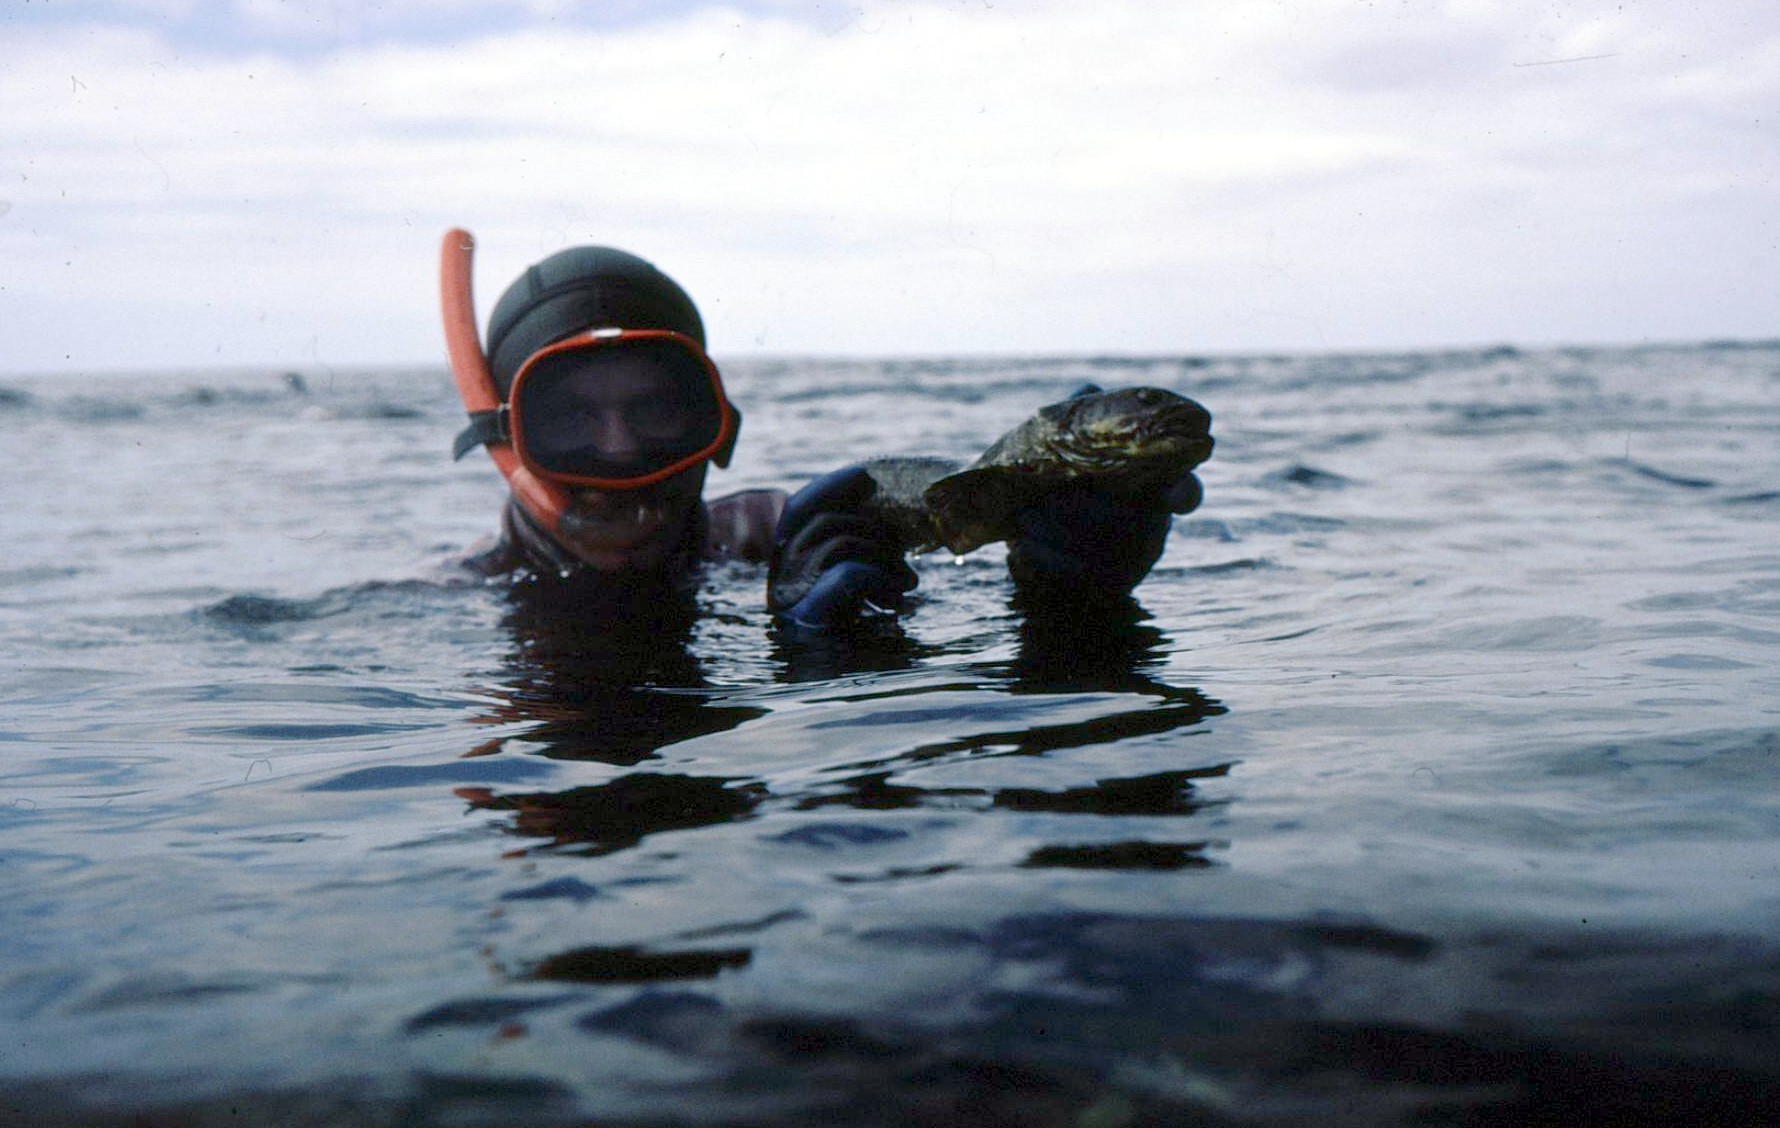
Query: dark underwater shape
point(805, 1040)
point(614, 816)
point(1164, 793)
point(1086, 1018)
point(1308, 477)
point(1135, 855)
point(628, 964)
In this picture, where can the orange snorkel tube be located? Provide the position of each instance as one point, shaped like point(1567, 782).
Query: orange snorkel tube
point(544, 501)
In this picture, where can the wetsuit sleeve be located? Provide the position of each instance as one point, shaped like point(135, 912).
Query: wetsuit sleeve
point(740, 525)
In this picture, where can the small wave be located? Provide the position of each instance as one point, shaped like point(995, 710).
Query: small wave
point(1206, 528)
point(1756, 345)
point(1696, 662)
point(314, 693)
point(387, 776)
point(1351, 439)
point(376, 410)
point(560, 889)
point(301, 732)
point(261, 610)
point(1294, 523)
point(1546, 634)
point(1247, 564)
point(1308, 477)
point(385, 410)
point(164, 989)
point(1664, 476)
point(209, 395)
point(90, 409)
point(23, 577)
point(490, 1011)
point(838, 836)
point(252, 610)
point(1761, 498)
point(1498, 412)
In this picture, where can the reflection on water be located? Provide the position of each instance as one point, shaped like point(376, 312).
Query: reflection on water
point(593, 676)
point(616, 682)
point(613, 816)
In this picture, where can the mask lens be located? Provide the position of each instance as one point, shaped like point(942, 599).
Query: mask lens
point(617, 411)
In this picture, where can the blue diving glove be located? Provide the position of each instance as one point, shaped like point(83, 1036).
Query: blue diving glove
point(1082, 541)
point(831, 561)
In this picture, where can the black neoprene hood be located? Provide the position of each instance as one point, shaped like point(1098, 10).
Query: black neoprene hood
point(579, 289)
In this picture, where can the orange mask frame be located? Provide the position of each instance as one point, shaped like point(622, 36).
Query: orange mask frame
point(717, 450)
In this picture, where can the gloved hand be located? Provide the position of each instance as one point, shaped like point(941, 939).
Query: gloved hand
point(831, 561)
point(1081, 541)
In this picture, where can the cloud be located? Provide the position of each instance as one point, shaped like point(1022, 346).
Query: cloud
point(939, 176)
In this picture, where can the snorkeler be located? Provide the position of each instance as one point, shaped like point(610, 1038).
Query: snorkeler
point(601, 408)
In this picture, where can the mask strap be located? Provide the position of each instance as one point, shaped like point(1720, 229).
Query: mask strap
point(487, 428)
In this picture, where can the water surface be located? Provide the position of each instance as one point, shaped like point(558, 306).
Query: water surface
point(1431, 777)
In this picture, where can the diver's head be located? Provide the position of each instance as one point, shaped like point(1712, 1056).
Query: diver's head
point(580, 289)
point(600, 359)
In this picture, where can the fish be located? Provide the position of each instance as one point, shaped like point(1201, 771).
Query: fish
point(1130, 442)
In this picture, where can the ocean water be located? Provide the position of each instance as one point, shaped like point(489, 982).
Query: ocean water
point(1432, 777)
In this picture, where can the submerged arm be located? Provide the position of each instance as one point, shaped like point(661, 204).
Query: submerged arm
point(1080, 541)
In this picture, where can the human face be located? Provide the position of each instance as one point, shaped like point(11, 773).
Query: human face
point(624, 423)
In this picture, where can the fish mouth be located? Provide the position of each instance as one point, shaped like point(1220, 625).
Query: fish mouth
point(1186, 419)
point(1183, 431)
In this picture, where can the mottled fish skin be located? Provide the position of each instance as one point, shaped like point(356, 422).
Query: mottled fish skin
point(1130, 441)
point(901, 497)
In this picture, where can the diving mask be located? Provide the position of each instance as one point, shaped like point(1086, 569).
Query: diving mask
point(613, 409)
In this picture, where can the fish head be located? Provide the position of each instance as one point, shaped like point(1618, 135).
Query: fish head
point(1127, 427)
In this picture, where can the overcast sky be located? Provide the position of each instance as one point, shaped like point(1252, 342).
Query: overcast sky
point(265, 182)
